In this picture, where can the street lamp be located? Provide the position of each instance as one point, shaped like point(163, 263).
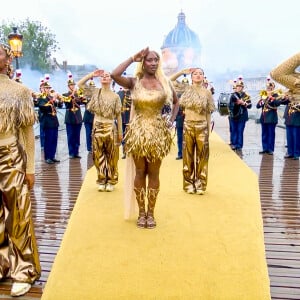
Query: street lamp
point(15, 41)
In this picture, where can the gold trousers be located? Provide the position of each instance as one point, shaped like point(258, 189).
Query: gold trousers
point(105, 153)
point(19, 258)
point(195, 155)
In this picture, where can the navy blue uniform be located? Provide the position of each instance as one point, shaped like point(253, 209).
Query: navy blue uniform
point(238, 116)
point(49, 123)
point(292, 124)
point(73, 121)
point(268, 121)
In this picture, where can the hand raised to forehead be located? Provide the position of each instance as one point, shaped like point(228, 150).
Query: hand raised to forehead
point(141, 54)
point(98, 73)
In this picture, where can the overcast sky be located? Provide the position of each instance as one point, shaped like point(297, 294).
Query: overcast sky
point(234, 34)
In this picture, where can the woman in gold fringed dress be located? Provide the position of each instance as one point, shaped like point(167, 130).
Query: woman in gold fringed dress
point(18, 249)
point(148, 138)
point(198, 104)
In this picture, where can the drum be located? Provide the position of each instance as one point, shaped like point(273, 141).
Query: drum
point(223, 103)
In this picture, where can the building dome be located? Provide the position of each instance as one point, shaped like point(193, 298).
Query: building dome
point(181, 35)
point(181, 48)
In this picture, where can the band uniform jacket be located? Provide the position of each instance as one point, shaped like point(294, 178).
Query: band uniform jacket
point(73, 110)
point(48, 114)
point(238, 112)
point(268, 111)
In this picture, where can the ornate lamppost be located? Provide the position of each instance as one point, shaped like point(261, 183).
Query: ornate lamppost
point(15, 41)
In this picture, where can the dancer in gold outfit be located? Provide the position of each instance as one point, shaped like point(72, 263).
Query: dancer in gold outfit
point(148, 138)
point(106, 106)
point(287, 75)
point(198, 104)
point(18, 250)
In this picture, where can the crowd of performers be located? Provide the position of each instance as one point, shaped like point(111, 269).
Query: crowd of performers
point(134, 118)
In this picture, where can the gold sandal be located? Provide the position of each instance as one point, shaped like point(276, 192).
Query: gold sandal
point(151, 223)
point(141, 221)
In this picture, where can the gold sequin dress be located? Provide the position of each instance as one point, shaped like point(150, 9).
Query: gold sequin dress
point(147, 134)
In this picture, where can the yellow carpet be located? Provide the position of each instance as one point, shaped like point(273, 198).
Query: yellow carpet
point(204, 247)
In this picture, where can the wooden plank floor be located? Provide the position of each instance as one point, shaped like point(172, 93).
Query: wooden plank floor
point(57, 187)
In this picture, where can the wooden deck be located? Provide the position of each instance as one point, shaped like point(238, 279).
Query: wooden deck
point(57, 187)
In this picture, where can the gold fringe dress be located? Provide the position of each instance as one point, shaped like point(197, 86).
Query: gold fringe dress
point(18, 248)
point(147, 134)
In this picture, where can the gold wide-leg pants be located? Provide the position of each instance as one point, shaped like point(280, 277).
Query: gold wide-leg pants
point(19, 258)
point(105, 153)
point(195, 155)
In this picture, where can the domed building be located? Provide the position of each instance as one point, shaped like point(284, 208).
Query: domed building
point(181, 48)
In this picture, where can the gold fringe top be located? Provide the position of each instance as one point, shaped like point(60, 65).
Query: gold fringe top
point(197, 99)
point(17, 116)
point(147, 134)
point(105, 103)
point(16, 106)
point(286, 75)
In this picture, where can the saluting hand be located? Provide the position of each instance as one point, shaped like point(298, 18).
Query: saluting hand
point(140, 55)
point(98, 73)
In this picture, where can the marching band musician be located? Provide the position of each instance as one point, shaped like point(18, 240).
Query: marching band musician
point(287, 75)
point(268, 102)
point(239, 103)
point(47, 103)
point(36, 97)
point(73, 118)
point(107, 128)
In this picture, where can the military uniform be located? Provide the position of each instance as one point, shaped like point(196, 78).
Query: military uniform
point(73, 119)
point(49, 124)
point(268, 118)
point(238, 116)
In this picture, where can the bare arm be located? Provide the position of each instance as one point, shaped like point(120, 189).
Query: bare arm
point(175, 107)
point(285, 73)
point(117, 73)
point(82, 82)
point(173, 77)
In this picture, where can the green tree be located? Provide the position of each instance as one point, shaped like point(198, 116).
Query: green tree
point(39, 44)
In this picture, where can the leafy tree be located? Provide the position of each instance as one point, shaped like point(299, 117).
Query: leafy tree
point(38, 43)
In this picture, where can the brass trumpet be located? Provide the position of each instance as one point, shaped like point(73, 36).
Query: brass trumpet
point(263, 94)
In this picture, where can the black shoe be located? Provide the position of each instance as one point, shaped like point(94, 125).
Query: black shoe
point(55, 160)
point(179, 157)
point(270, 152)
point(288, 156)
point(77, 156)
point(49, 161)
point(263, 152)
